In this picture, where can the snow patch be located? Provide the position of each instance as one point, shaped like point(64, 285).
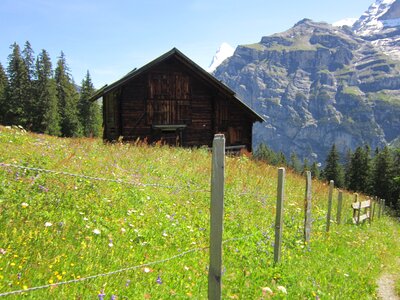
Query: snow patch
point(345, 22)
point(224, 51)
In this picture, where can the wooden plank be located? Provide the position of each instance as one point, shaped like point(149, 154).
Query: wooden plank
point(307, 220)
point(328, 215)
point(339, 208)
point(279, 215)
point(216, 217)
point(362, 204)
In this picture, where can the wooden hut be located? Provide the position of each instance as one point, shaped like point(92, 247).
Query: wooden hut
point(173, 100)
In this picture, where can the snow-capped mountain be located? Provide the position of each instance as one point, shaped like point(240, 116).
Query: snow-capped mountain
point(224, 51)
point(380, 24)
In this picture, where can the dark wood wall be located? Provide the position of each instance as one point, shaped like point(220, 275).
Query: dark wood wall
point(173, 103)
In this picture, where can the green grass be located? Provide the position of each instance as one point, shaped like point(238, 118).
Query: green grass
point(141, 224)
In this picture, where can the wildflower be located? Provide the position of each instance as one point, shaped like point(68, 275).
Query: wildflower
point(24, 205)
point(127, 283)
point(43, 188)
point(2, 251)
point(113, 297)
point(47, 224)
point(282, 289)
point(96, 231)
point(266, 290)
point(147, 270)
point(123, 230)
point(159, 281)
point(25, 287)
point(101, 295)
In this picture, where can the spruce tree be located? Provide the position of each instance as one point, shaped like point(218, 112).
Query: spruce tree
point(383, 175)
point(68, 99)
point(3, 89)
point(306, 166)
point(333, 170)
point(17, 89)
point(29, 63)
point(46, 111)
point(360, 170)
point(315, 171)
point(89, 111)
point(295, 163)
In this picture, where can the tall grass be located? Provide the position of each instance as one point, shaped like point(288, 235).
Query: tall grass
point(55, 228)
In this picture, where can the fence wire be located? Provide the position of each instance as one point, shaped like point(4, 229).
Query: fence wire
point(119, 181)
point(31, 289)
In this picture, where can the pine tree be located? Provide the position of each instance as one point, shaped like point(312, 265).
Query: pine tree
point(306, 167)
point(295, 163)
point(68, 99)
point(17, 98)
point(315, 171)
point(46, 111)
point(360, 171)
point(29, 63)
point(3, 89)
point(89, 111)
point(333, 170)
point(383, 175)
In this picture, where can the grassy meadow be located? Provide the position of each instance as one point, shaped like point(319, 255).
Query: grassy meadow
point(145, 234)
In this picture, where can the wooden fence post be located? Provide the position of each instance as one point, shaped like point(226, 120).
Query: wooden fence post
point(216, 217)
point(279, 215)
point(328, 215)
point(373, 208)
point(307, 210)
point(339, 208)
point(379, 208)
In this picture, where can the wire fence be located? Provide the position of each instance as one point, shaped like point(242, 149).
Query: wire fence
point(118, 181)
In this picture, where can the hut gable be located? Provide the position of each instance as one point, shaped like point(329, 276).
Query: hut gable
point(173, 100)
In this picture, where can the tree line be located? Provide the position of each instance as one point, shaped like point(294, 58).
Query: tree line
point(43, 100)
point(375, 173)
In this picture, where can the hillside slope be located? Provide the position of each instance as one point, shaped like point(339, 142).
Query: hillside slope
point(315, 85)
point(86, 220)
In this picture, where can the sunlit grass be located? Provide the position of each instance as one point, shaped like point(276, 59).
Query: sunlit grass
point(56, 228)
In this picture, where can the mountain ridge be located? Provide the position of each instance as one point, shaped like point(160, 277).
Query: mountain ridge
point(316, 84)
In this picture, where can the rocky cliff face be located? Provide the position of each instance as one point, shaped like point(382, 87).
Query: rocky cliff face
point(315, 85)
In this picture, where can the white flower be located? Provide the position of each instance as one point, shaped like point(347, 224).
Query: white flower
point(146, 270)
point(24, 204)
point(47, 224)
point(123, 230)
point(282, 289)
point(266, 290)
point(85, 219)
point(110, 245)
point(96, 231)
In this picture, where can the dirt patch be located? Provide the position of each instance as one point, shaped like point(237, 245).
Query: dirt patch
point(386, 289)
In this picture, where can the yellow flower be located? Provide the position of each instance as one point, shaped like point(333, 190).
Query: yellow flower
point(25, 287)
point(59, 277)
point(12, 264)
point(51, 281)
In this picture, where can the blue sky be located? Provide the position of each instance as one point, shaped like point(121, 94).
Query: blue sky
point(110, 38)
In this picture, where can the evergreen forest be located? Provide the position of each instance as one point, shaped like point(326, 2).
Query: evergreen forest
point(374, 173)
point(42, 99)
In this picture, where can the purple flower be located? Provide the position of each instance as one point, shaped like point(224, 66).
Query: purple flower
point(43, 188)
point(113, 297)
point(127, 283)
point(19, 276)
point(159, 281)
point(101, 295)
